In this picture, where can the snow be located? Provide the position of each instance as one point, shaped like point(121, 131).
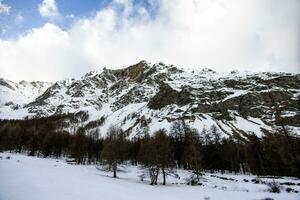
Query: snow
point(19, 94)
point(116, 118)
point(32, 178)
point(22, 92)
point(295, 130)
point(251, 125)
point(236, 93)
point(6, 113)
point(289, 113)
point(207, 123)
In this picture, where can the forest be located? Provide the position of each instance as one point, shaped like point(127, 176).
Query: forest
point(277, 153)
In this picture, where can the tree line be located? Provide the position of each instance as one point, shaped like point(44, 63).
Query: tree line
point(276, 153)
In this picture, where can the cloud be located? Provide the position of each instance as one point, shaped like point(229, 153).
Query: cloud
point(4, 8)
point(48, 9)
point(220, 34)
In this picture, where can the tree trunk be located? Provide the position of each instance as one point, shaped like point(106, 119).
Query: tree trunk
point(156, 176)
point(243, 168)
point(197, 174)
point(19, 149)
point(115, 173)
point(115, 170)
point(164, 176)
point(152, 175)
point(32, 152)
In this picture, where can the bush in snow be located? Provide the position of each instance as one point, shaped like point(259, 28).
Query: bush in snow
point(193, 180)
point(274, 187)
point(289, 190)
point(288, 183)
point(257, 181)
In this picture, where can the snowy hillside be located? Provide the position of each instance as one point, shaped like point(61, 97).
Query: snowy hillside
point(14, 96)
point(34, 178)
point(156, 95)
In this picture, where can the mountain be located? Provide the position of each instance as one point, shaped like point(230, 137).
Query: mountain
point(15, 96)
point(155, 95)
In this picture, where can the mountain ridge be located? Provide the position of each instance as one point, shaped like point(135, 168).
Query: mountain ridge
point(159, 94)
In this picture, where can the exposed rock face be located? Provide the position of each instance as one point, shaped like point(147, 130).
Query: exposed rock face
point(289, 82)
point(40, 100)
point(167, 96)
point(132, 73)
point(237, 84)
point(5, 84)
point(157, 95)
point(247, 103)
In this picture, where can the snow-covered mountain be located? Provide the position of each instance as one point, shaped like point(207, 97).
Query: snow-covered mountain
point(15, 96)
point(155, 95)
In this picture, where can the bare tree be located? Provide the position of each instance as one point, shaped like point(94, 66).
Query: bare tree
point(157, 154)
point(115, 149)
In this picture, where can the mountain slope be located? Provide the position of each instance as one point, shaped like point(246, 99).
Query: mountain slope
point(14, 96)
point(154, 96)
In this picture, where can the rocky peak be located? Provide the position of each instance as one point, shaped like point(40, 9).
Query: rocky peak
point(6, 84)
point(132, 73)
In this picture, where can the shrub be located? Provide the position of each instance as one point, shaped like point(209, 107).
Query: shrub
point(289, 190)
point(288, 183)
point(274, 187)
point(193, 180)
point(256, 181)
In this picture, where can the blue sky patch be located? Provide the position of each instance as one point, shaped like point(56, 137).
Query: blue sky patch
point(24, 15)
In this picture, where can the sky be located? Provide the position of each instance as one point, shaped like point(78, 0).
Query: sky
point(50, 40)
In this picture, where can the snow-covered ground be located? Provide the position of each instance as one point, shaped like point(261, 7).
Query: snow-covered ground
point(32, 178)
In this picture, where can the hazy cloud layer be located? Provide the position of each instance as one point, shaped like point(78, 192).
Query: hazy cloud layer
point(4, 8)
point(256, 35)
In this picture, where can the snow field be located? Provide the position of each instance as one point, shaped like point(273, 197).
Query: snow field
point(32, 178)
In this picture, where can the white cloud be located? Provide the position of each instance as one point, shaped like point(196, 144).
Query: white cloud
point(220, 34)
point(4, 8)
point(48, 9)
